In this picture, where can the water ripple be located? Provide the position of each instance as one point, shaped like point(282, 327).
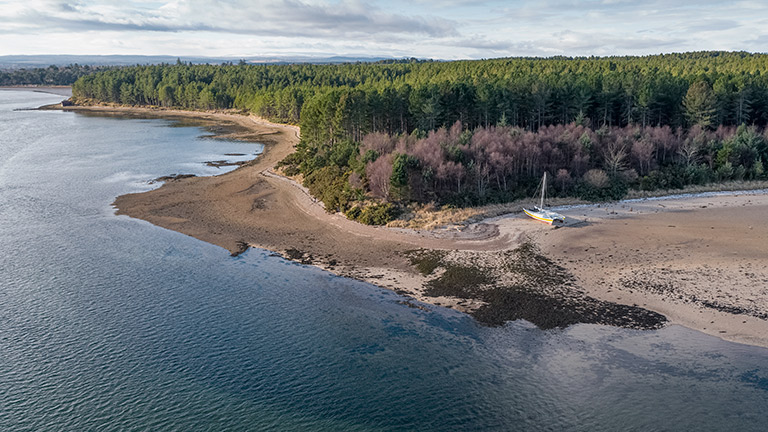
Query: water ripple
point(107, 323)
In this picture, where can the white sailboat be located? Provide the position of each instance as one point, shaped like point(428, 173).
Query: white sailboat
point(539, 213)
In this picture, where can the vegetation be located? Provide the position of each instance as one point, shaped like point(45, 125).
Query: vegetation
point(52, 75)
point(503, 163)
point(476, 132)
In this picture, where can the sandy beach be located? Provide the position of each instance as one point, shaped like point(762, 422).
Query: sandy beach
point(694, 261)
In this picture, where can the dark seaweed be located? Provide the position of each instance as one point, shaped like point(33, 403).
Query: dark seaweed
point(546, 294)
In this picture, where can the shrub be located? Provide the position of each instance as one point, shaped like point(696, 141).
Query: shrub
point(601, 187)
point(378, 214)
point(596, 178)
point(353, 213)
point(331, 186)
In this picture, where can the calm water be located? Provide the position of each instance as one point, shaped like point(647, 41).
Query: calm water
point(109, 323)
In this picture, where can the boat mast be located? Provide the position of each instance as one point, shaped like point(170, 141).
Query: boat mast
point(543, 189)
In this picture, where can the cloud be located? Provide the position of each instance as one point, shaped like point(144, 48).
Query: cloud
point(606, 43)
point(713, 25)
point(759, 43)
point(424, 28)
point(567, 43)
point(288, 18)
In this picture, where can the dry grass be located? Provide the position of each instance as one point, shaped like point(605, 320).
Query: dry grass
point(280, 170)
point(430, 217)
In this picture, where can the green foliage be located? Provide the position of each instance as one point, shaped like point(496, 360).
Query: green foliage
point(290, 164)
point(51, 75)
point(370, 156)
point(697, 175)
point(401, 166)
point(725, 172)
point(330, 185)
point(674, 177)
point(353, 213)
point(745, 149)
point(570, 114)
point(379, 214)
point(374, 214)
point(343, 153)
point(615, 189)
point(351, 100)
point(700, 105)
point(759, 169)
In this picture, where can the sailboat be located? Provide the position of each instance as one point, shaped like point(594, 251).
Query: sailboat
point(539, 213)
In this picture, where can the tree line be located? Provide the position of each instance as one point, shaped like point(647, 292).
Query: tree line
point(496, 164)
point(51, 75)
point(471, 132)
point(400, 97)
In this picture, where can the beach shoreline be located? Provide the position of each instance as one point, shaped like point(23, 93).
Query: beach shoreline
point(65, 91)
point(675, 274)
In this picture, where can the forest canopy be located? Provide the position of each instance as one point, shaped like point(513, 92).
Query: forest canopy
point(51, 75)
point(473, 132)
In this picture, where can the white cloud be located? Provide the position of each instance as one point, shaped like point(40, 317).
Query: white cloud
point(288, 18)
point(425, 28)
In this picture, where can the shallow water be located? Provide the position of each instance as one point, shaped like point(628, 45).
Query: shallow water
point(110, 323)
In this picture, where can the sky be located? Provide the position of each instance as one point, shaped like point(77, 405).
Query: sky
point(451, 29)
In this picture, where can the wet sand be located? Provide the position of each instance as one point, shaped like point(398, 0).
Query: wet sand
point(697, 261)
point(700, 261)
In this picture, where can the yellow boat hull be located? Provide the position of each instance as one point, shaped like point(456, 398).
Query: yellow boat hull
point(541, 217)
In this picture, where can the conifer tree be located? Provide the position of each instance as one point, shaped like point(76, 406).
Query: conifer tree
point(700, 105)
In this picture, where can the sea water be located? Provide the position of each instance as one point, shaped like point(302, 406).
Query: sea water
point(110, 323)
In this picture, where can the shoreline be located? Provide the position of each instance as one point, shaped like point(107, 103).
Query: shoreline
point(256, 207)
point(65, 91)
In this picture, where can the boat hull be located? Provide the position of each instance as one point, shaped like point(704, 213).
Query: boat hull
point(544, 216)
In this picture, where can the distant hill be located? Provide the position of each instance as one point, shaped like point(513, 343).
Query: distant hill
point(36, 61)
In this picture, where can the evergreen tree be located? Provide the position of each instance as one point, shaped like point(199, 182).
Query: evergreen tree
point(700, 105)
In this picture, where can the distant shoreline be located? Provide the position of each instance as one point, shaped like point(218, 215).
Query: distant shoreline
point(253, 206)
point(65, 91)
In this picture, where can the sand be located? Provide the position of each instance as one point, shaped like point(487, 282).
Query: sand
point(698, 261)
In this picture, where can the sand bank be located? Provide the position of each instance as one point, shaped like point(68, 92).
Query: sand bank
point(697, 261)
